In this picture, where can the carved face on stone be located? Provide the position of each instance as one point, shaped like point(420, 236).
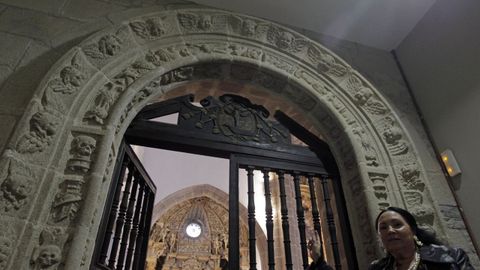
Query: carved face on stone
point(285, 40)
point(44, 123)
point(205, 22)
point(48, 255)
point(5, 250)
point(248, 27)
point(84, 145)
point(155, 27)
point(72, 76)
point(17, 186)
point(362, 95)
point(392, 135)
point(109, 44)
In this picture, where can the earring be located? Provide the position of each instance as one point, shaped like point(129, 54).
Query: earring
point(417, 241)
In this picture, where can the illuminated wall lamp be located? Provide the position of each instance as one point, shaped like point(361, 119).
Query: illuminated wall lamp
point(450, 163)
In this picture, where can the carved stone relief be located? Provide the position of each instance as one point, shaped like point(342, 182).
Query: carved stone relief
point(48, 254)
point(247, 27)
point(285, 40)
point(71, 77)
point(393, 136)
point(371, 156)
point(380, 189)
point(192, 22)
point(44, 121)
point(152, 28)
point(452, 216)
point(82, 149)
point(326, 63)
point(8, 237)
point(43, 126)
point(108, 45)
point(16, 186)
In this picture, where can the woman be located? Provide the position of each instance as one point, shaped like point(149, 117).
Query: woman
point(411, 248)
point(315, 252)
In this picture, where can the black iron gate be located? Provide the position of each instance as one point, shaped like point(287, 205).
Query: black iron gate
point(123, 235)
point(231, 127)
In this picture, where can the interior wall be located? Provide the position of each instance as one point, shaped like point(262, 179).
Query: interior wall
point(440, 59)
point(35, 35)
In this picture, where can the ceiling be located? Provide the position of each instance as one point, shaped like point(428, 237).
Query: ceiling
point(381, 24)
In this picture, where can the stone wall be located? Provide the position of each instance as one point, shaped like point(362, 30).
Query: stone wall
point(373, 130)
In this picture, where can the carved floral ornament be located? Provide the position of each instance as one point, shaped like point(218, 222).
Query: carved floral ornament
point(323, 77)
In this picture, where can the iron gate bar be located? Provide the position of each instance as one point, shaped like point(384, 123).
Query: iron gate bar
point(300, 218)
point(315, 213)
point(251, 219)
point(285, 225)
point(269, 218)
point(323, 152)
point(233, 214)
point(128, 221)
point(135, 227)
point(120, 219)
point(117, 182)
point(331, 223)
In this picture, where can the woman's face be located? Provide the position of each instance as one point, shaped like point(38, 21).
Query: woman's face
point(395, 232)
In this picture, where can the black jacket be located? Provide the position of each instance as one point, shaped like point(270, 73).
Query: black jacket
point(320, 264)
point(432, 257)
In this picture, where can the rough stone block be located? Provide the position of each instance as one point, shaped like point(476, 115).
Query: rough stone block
point(47, 6)
point(33, 24)
point(90, 9)
point(5, 71)
point(8, 123)
point(13, 48)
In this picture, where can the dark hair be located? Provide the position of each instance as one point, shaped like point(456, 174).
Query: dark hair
point(425, 236)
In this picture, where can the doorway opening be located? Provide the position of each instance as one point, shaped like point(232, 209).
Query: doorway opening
point(289, 193)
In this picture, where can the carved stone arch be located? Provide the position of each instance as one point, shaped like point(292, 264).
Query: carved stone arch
point(218, 196)
point(70, 132)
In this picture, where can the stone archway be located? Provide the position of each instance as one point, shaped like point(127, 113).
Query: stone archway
point(58, 163)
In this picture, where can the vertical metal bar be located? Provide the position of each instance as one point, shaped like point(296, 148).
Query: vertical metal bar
point(315, 213)
point(121, 218)
point(146, 230)
point(285, 225)
point(331, 222)
point(128, 221)
point(251, 219)
point(118, 178)
point(134, 231)
point(269, 218)
point(233, 217)
point(300, 218)
point(137, 257)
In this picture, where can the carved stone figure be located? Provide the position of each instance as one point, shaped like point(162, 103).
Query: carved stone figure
point(16, 187)
point(150, 29)
point(71, 77)
point(411, 177)
point(326, 63)
point(48, 254)
point(82, 149)
point(67, 201)
point(7, 242)
point(194, 22)
point(160, 56)
point(105, 98)
point(172, 241)
point(217, 244)
point(107, 45)
point(393, 137)
point(43, 125)
point(177, 75)
point(369, 151)
point(48, 257)
point(285, 40)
